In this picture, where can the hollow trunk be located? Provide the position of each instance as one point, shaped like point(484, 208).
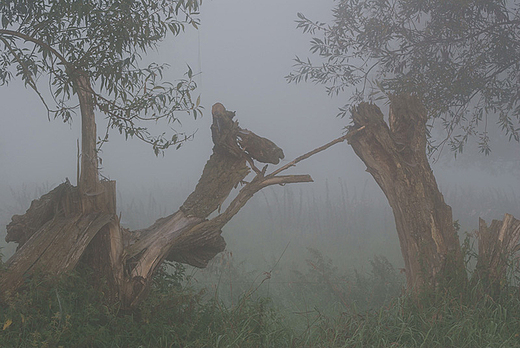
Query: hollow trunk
point(395, 155)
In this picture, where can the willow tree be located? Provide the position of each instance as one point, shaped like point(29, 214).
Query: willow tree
point(453, 63)
point(90, 53)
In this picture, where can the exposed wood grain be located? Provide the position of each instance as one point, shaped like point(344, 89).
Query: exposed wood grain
point(395, 155)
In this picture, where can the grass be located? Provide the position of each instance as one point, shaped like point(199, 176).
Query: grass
point(299, 272)
point(68, 312)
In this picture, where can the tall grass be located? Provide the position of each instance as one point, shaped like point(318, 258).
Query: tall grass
point(299, 271)
point(68, 312)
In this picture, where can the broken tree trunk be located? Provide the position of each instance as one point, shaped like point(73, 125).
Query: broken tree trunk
point(497, 245)
point(395, 155)
point(56, 234)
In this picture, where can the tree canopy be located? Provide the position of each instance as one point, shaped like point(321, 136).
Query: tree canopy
point(462, 58)
point(102, 40)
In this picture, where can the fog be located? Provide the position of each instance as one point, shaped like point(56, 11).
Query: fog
point(241, 52)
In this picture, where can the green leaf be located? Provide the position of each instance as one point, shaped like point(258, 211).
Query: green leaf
point(101, 39)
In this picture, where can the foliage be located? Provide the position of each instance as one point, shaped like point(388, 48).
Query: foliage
point(446, 322)
point(354, 292)
point(299, 314)
point(71, 313)
point(460, 315)
point(460, 56)
point(103, 40)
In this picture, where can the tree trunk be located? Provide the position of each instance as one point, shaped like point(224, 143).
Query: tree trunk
point(497, 245)
point(89, 178)
point(56, 233)
point(395, 156)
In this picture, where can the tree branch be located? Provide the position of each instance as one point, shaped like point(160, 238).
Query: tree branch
point(307, 155)
point(37, 42)
point(31, 81)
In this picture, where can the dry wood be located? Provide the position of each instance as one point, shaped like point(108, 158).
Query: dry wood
point(497, 245)
point(63, 228)
point(395, 155)
point(55, 248)
point(308, 154)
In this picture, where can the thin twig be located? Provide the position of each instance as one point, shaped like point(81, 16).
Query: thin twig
point(30, 80)
point(307, 155)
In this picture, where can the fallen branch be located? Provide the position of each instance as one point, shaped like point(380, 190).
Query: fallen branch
point(55, 234)
point(307, 155)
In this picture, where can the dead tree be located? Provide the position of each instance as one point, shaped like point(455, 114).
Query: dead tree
point(73, 225)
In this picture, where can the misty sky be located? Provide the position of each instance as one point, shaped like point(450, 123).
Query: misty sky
point(243, 51)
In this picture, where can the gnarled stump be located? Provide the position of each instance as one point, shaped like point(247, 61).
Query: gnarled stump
point(56, 232)
point(497, 245)
point(395, 155)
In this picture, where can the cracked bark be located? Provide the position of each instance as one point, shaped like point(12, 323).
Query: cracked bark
point(395, 155)
point(57, 233)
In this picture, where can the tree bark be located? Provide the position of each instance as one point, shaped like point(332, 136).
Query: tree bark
point(497, 245)
point(56, 234)
point(395, 155)
point(89, 177)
